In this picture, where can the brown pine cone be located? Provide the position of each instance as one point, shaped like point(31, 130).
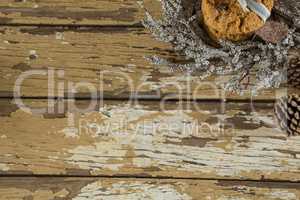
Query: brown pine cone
point(287, 111)
point(293, 73)
point(287, 108)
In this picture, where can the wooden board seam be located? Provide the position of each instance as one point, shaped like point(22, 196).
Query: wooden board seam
point(143, 178)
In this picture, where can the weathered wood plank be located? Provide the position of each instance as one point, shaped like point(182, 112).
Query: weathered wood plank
point(148, 139)
point(111, 60)
point(74, 12)
point(134, 189)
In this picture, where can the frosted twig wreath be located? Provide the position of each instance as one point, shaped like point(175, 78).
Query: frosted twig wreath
point(182, 26)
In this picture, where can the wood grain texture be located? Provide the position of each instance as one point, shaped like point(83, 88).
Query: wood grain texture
point(135, 189)
point(111, 60)
point(118, 139)
point(74, 12)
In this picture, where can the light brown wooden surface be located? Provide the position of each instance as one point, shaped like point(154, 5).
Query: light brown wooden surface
point(74, 12)
point(120, 149)
point(116, 139)
point(111, 60)
point(134, 189)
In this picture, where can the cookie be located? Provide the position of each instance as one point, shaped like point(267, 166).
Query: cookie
point(226, 19)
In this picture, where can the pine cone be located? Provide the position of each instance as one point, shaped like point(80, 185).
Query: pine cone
point(293, 73)
point(287, 111)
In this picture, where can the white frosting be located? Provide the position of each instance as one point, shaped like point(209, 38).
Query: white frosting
point(260, 9)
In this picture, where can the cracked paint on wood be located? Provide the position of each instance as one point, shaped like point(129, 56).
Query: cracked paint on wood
point(248, 148)
point(118, 139)
point(131, 189)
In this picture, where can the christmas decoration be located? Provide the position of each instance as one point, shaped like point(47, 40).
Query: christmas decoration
point(273, 32)
point(290, 9)
point(260, 8)
point(287, 110)
point(293, 72)
point(228, 19)
point(208, 34)
point(262, 59)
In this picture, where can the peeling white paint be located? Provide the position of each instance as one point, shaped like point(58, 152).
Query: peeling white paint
point(164, 148)
point(63, 193)
point(59, 36)
point(4, 167)
point(3, 137)
point(98, 156)
point(70, 132)
point(282, 195)
point(33, 52)
point(131, 65)
point(130, 191)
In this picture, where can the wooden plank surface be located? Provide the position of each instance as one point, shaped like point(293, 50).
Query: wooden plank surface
point(74, 12)
point(134, 189)
point(99, 47)
point(144, 140)
point(111, 60)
